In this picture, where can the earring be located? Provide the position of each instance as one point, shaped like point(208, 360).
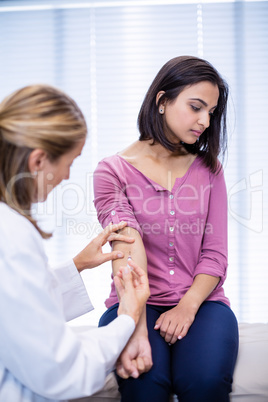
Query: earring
point(34, 174)
point(161, 111)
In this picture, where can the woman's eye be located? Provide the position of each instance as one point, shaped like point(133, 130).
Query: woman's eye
point(195, 108)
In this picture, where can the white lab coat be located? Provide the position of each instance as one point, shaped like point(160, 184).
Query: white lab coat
point(40, 355)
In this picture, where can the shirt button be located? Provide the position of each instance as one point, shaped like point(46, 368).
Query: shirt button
point(113, 212)
point(171, 259)
point(171, 229)
point(171, 272)
point(172, 212)
point(171, 244)
point(171, 196)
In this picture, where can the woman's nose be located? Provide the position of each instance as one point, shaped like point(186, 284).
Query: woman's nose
point(204, 120)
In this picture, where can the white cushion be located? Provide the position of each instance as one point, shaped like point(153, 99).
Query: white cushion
point(251, 371)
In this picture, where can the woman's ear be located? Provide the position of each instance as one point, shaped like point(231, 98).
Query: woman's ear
point(36, 160)
point(161, 105)
point(158, 96)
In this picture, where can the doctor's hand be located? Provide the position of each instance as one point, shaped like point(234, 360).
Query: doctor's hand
point(136, 358)
point(132, 287)
point(133, 291)
point(92, 256)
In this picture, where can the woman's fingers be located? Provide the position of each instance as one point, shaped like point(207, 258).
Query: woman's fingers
point(172, 333)
point(159, 321)
point(183, 331)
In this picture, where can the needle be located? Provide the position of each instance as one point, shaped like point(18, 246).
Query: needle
point(129, 258)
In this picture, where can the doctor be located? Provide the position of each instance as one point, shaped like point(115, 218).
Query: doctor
point(42, 131)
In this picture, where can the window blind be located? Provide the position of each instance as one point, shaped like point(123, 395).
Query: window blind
point(105, 55)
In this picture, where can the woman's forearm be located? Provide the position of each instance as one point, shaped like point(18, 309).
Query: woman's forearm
point(137, 253)
point(134, 250)
point(201, 288)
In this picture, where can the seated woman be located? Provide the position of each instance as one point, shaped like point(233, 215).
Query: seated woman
point(169, 186)
point(42, 131)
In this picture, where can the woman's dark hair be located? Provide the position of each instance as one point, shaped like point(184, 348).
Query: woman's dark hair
point(172, 78)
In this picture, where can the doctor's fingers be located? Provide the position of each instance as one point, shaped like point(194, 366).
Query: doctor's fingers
point(135, 368)
point(113, 255)
point(129, 370)
point(119, 237)
point(144, 364)
point(139, 273)
point(122, 372)
point(110, 230)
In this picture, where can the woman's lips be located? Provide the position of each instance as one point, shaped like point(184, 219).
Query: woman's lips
point(196, 133)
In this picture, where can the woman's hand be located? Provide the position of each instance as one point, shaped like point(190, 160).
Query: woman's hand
point(133, 290)
point(92, 256)
point(175, 323)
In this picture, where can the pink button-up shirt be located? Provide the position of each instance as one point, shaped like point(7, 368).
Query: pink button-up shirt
point(184, 231)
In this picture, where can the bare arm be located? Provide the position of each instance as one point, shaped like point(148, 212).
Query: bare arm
point(201, 288)
point(133, 287)
point(137, 352)
point(137, 252)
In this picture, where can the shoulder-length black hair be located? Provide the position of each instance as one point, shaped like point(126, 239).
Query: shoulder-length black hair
point(172, 78)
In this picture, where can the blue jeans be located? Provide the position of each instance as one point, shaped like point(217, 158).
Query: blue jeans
point(198, 368)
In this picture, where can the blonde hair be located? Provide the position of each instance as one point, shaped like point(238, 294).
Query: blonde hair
point(36, 116)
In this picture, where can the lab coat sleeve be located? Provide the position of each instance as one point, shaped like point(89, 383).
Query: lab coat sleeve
point(76, 301)
point(36, 345)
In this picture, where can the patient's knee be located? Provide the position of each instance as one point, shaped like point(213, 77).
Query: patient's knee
point(203, 388)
